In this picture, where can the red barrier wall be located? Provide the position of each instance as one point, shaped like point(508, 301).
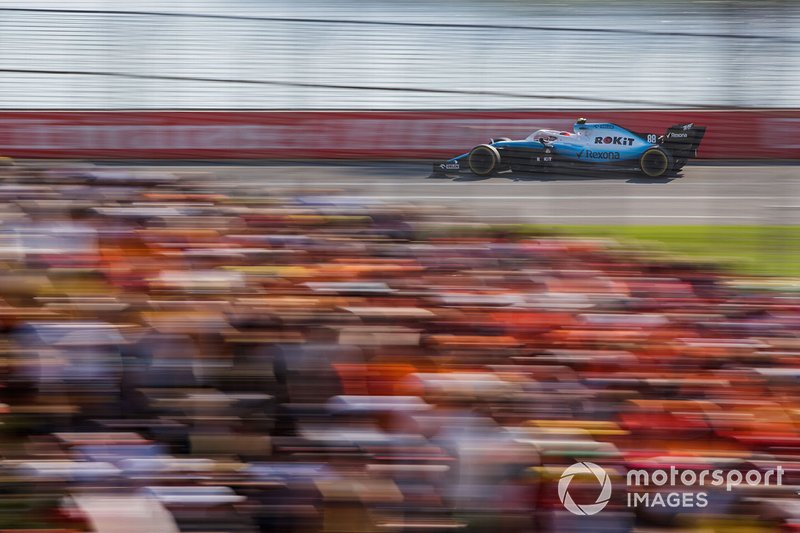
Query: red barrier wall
point(732, 134)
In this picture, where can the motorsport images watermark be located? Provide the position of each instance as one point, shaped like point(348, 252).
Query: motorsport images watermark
point(637, 482)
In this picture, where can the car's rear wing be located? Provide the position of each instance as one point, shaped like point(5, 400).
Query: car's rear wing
point(683, 140)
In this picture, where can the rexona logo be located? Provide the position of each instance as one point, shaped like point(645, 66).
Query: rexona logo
point(624, 141)
point(590, 154)
point(583, 469)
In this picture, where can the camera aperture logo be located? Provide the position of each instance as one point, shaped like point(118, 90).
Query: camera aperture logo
point(583, 469)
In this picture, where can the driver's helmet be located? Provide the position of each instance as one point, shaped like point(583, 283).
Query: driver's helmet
point(545, 135)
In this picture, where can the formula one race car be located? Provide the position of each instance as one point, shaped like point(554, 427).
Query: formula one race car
point(588, 146)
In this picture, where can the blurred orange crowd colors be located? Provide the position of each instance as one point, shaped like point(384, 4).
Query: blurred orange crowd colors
point(215, 356)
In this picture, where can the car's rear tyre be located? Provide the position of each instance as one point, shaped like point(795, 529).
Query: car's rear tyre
point(655, 163)
point(484, 160)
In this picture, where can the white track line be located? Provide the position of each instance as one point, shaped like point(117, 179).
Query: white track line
point(601, 216)
point(571, 197)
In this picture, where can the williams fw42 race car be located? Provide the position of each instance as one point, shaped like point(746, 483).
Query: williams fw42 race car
point(589, 146)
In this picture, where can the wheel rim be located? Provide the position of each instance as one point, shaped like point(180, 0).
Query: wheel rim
point(654, 163)
point(482, 161)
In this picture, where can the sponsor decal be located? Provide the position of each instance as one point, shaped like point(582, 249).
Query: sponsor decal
point(688, 127)
point(591, 154)
point(603, 126)
point(450, 165)
point(672, 135)
point(624, 141)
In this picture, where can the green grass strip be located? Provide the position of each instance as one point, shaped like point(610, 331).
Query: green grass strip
point(749, 250)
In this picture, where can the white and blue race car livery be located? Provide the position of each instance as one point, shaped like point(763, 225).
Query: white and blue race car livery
point(589, 145)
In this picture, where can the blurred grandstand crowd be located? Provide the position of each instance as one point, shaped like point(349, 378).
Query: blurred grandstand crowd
point(194, 354)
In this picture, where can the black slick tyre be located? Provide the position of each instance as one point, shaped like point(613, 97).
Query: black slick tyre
point(484, 160)
point(655, 163)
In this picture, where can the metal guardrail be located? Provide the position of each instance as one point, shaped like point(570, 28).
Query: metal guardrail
point(375, 55)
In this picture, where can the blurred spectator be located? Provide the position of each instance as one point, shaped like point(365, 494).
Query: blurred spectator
point(207, 360)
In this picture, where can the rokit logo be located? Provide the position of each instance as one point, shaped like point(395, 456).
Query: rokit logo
point(624, 141)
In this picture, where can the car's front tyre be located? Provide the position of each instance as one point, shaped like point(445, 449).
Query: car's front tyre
point(484, 160)
point(655, 163)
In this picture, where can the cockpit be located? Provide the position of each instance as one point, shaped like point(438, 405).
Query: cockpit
point(549, 136)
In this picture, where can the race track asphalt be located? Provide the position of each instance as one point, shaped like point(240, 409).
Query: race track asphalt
point(705, 193)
